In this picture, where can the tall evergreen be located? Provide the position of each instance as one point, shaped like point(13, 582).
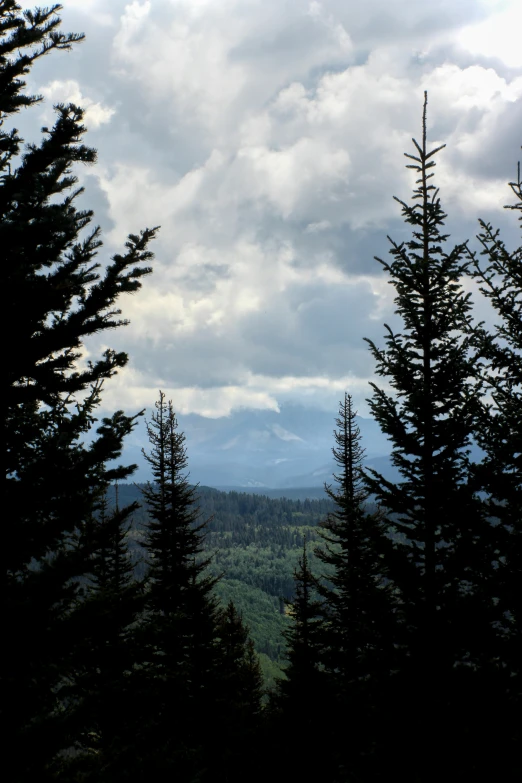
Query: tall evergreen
point(199, 681)
point(499, 433)
point(303, 638)
point(174, 538)
point(443, 545)
point(56, 295)
point(359, 630)
point(300, 705)
point(237, 693)
point(357, 600)
point(180, 626)
point(109, 607)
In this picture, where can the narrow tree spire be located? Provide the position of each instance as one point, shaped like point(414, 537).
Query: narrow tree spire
point(298, 706)
point(442, 541)
point(179, 628)
point(359, 627)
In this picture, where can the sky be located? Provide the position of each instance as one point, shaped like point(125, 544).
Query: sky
point(266, 138)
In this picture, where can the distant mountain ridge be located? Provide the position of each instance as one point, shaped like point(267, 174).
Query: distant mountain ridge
point(261, 448)
point(264, 449)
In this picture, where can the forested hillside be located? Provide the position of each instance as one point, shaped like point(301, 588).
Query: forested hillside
point(255, 543)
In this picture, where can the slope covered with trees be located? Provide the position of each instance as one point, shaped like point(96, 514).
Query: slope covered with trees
point(254, 543)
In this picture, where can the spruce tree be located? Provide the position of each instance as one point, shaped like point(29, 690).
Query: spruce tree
point(500, 430)
point(442, 540)
point(302, 699)
point(56, 296)
point(303, 637)
point(109, 607)
point(359, 629)
point(238, 689)
point(180, 625)
point(354, 591)
point(174, 538)
point(499, 433)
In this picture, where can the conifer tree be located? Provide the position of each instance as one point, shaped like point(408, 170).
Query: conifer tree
point(302, 698)
point(237, 654)
point(499, 434)
point(304, 635)
point(443, 543)
point(173, 537)
point(238, 689)
point(357, 601)
point(359, 630)
point(56, 296)
point(180, 626)
point(109, 607)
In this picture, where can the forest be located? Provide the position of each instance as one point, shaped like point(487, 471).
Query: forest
point(255, 543)
point(169, 631)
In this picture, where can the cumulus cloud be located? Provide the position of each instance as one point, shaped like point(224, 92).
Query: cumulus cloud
point(267, 140)
point(497, 36)
point(69, 91)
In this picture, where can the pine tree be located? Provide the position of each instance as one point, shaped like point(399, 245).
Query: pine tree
point(55, 297)
point(443, 543)
point(299, 705)
point(359, 633)
point(238, 689)
point(180, 626)
point(499, 434)
point(355, 596)
point(237, 655)
point(174, 539)
point(109, 607)
point(304, 635)
point(201, 681)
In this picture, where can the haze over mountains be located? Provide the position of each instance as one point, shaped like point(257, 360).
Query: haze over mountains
point(264, 448)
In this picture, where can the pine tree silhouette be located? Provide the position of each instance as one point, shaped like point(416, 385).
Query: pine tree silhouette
point(360, 627)
point(236, 700)
point(499, 475)
point(179, 629)
point(56, 296)
point(298, 706)
point(442, 539)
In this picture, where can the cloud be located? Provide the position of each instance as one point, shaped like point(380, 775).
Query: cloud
point(497, 36)
point(267, 140)
point(69, 91)
point(322, 225)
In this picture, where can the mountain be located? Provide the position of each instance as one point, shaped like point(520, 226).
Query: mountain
point(265, 449)
point(260, 448)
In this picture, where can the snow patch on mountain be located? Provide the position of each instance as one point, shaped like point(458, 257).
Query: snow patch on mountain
point(284, 434)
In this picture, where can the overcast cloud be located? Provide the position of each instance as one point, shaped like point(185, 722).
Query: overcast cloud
point(267, 140)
